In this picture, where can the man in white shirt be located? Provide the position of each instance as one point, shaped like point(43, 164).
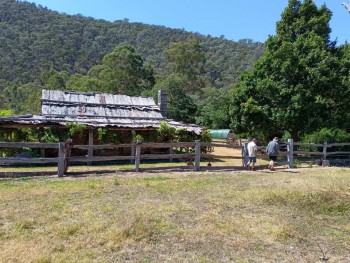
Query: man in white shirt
point(252, 152)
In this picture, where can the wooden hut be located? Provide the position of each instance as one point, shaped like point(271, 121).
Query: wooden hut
point(98, 110)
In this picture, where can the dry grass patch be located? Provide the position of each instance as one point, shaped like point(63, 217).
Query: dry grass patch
point(288, 216)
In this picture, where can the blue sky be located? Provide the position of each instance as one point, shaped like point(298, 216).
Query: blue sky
point(234, 19)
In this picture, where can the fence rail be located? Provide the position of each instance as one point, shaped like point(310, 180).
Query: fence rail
point(28, 145)
point(25, 160)
point(14, 160)
point(136, 156)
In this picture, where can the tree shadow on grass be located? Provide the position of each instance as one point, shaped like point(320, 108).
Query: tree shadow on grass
point(15, 175)
point(186, 168)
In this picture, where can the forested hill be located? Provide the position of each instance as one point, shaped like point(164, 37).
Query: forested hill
point(300, 68)
point(34, 38)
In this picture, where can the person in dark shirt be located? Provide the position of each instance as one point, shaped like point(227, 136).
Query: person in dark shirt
point(272, 151)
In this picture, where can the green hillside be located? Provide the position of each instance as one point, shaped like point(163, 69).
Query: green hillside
point(34, 39)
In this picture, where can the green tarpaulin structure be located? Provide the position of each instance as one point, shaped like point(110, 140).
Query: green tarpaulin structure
point(219, 134)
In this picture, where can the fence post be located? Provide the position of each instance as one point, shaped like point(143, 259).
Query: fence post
point(137, 155)
point(244, 154)
point(68, 145)
point(61, 157)
point(132, 154)
point(197, 157)
point(290, 149)
point(324, 156)
point(40, 135)
point(91, 143)
point(171, 151)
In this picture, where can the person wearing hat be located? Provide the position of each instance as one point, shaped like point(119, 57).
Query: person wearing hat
point(272, 151)
point(252, 151)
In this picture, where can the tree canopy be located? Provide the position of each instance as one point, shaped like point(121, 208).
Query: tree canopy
point(296, 83)
point(297, 86)
point(122, 71)
point(35, 39)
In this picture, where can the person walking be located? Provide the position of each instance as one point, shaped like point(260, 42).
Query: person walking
point(272, 151)
point(252, 152)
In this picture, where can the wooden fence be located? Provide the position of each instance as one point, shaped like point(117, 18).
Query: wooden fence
point(64, 149)
point(320, 151)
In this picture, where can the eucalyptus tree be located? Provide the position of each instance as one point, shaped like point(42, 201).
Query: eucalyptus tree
point(213, 108)
point(181, 105)
point(185, 65)
point(187, 60)
point(296, 86)
point(123, 71)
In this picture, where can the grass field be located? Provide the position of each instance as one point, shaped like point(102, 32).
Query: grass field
point(297, 215)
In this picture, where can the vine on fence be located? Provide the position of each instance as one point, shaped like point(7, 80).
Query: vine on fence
point(75, 128)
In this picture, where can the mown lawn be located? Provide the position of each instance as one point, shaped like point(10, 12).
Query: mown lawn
point(299, 215)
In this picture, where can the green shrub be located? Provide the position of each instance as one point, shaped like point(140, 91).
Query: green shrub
point(166, 133)
point(327, 135)
point(5, 113)
point(108, 136)
point(75, 128)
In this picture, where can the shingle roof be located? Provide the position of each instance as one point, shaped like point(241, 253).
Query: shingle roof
point(97, 105)
point(96, 109)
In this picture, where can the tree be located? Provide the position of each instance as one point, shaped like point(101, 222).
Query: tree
point(345, 74)
point(4, 102)
point(54, 79)
point(213, 109)
point(181, 106)
point(25, 98)
point(295, 86)
point(187, 59)
point(123, 71)
point(79, 82)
